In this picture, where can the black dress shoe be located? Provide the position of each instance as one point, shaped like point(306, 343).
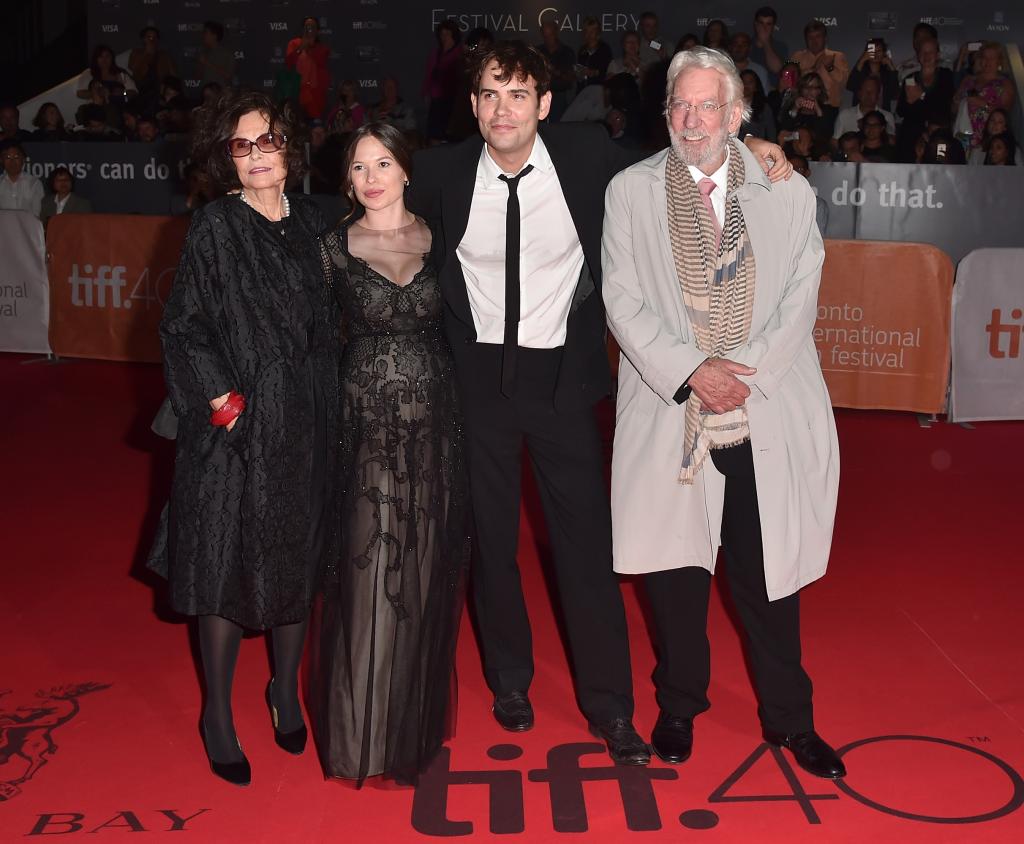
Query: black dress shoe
point(513, 712)
point(293, 741)
point(624, 743)
point(236, 773)
point(672, 738)
point(811, 752)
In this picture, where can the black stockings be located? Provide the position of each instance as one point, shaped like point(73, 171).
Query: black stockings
point(288, 645)
point(219, 641)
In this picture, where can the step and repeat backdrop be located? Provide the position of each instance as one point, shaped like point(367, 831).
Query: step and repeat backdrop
point(370, 39)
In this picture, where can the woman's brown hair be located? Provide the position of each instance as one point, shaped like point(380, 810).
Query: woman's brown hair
point(215, 125)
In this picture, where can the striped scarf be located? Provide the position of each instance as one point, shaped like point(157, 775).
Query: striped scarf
point(718, 292)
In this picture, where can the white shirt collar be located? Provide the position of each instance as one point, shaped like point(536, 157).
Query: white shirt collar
point(60, 203)
point(720, 177)
point(489, 171)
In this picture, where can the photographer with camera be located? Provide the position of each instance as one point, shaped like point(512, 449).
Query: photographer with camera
point(926, 97)
point(875, 63)
point(809, 109)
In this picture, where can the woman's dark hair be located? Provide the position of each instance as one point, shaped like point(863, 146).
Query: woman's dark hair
point(875, 115)
point(760, 99)
point(94, 62)
point(40, 121)
point(688, 37)
point(514, 59)
point(60, 170)
point(1002, 111)
point(215, 125)
point(725, 32)
point(216, 29)
point(390, 138)
point(451, 27)
point(1008, 140)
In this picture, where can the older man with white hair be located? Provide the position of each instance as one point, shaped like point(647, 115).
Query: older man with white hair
point(724, 434)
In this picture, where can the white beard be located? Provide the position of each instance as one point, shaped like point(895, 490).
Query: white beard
point(698, 156)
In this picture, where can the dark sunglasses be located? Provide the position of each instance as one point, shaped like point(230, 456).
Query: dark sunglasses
point(267, 142)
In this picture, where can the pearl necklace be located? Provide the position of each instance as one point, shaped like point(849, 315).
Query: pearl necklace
point(286, 208)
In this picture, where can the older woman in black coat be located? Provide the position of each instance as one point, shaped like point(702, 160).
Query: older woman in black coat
point(250, 341)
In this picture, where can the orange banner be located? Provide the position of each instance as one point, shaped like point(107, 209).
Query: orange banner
point(883, 325)
point(109, 278)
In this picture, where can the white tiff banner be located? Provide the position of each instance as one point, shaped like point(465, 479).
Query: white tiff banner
point(24, 288)
point(988, 337)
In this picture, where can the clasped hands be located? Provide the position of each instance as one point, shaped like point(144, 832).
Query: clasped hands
point(716, 384)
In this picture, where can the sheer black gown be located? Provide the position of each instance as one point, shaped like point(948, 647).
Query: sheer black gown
point(384, 631)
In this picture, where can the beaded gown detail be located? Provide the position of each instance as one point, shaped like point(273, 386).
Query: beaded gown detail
point(384, 630)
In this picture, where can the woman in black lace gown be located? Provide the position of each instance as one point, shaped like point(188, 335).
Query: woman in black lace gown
point(385, 629)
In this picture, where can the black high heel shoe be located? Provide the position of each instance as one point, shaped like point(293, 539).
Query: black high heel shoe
point(293, 742)
point(236, 773)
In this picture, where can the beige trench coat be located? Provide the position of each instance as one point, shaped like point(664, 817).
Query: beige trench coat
point(657, 522)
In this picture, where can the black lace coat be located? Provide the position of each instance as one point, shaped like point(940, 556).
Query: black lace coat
point(250, 310)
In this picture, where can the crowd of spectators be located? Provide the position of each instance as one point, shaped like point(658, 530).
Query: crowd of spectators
point(927, 108)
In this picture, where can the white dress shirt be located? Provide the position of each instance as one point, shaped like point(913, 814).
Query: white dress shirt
point(550, 261)
point(26, 194)
point(58, 203)
point(721, 179)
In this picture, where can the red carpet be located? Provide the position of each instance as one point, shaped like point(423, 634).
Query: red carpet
point(912, 641)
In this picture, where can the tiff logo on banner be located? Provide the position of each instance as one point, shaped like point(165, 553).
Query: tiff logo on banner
point(1013, 331)
point(88, 291)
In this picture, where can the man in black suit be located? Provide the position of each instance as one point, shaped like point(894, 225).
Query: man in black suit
point(519, 217)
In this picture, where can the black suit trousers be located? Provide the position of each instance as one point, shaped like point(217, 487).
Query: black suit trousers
point(771, 629)
point(566, 456)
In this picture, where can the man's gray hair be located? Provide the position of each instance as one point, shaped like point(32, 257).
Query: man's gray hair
point(709, 59)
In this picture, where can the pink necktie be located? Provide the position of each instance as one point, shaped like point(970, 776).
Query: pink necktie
point(705, 186)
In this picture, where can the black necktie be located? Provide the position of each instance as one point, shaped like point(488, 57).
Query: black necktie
point(510, 349)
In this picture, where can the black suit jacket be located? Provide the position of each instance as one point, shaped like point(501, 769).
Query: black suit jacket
point(441, 190)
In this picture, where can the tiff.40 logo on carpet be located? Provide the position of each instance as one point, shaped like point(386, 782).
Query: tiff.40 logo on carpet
point(565, 776)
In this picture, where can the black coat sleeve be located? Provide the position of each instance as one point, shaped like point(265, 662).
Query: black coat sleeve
point(196, 365)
